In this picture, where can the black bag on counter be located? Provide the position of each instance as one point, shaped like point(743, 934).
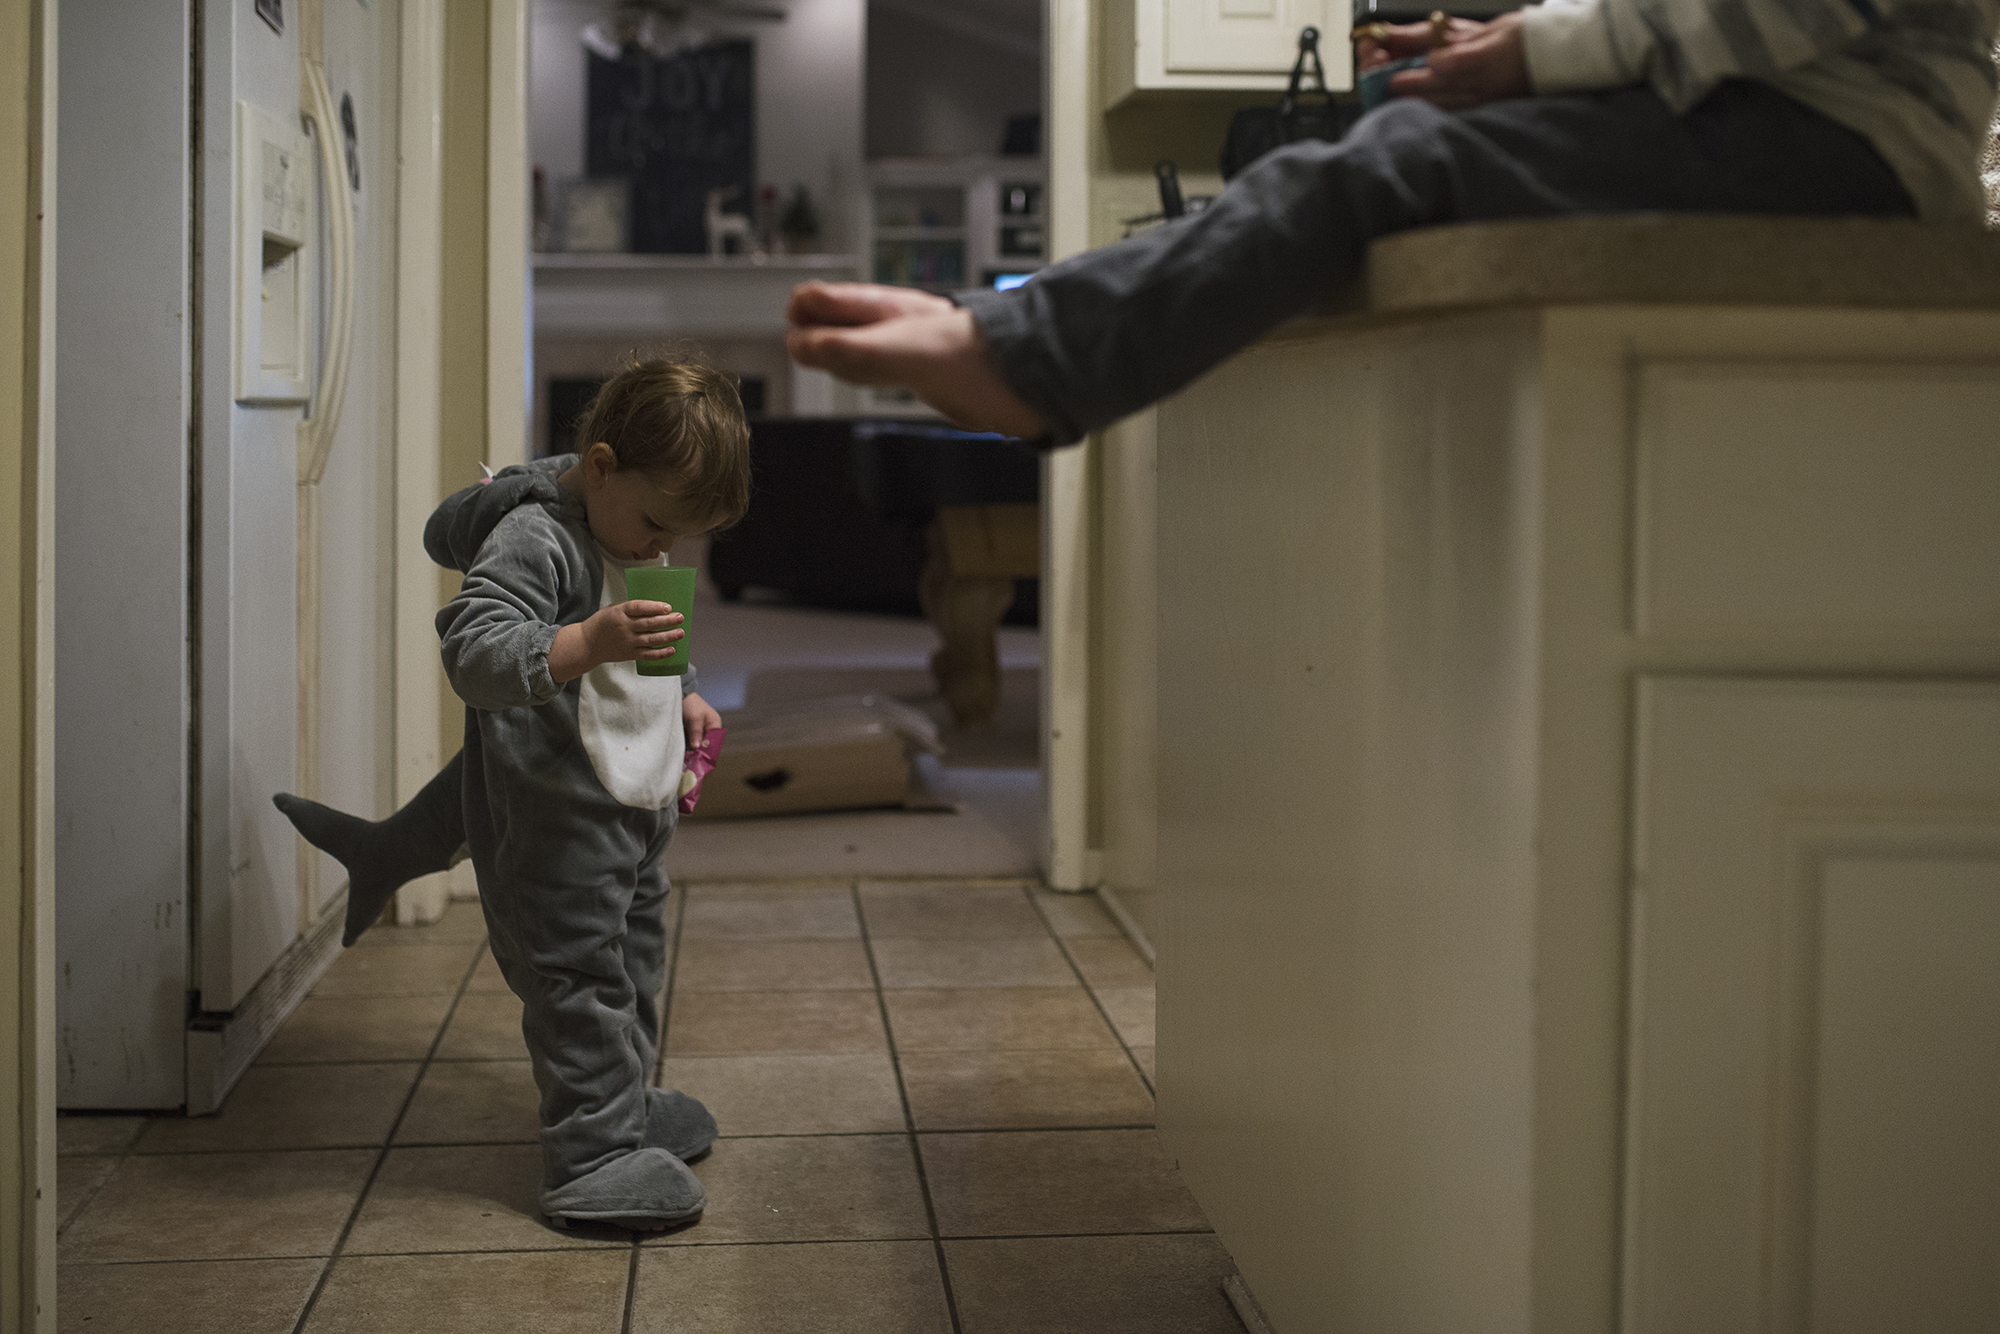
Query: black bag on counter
point(1255, 131)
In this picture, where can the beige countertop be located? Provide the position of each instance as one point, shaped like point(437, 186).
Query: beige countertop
point(1679, 259)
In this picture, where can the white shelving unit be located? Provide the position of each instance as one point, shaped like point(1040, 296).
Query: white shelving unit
point(943, 224)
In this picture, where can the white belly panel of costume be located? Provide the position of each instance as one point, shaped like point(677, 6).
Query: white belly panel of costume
point(631, 724)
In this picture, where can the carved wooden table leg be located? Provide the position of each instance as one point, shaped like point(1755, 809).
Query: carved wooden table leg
point(976, 552)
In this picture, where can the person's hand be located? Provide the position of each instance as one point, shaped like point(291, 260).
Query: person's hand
point(869, 334)
point(635, 631)
point(851, 305)
point(1379, 43)
point(696, 718)
point(1476, 63)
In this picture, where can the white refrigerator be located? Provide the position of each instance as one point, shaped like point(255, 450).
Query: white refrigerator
point(225, 345)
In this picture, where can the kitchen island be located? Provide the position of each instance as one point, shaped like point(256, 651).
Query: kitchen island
point(1589, 916)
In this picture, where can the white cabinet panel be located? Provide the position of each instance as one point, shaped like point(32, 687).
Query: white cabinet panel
point(1905, 1230)
point(1814, 1126)
point(1347, 865)
point(1238, 36)
point(1173, 45)
point(1848, 499)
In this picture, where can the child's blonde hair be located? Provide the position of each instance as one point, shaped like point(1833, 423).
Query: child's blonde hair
point(681, 419)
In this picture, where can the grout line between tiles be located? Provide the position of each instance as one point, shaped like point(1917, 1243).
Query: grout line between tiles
point(666, 1011)
point(784, 991)
point(851, 882)
point(388, 1140)
point(83, 1206)
point(345, 1255)
point(638, 1249)
point(777, 882)
point(1091, 991)
point(289, 1148)
point(695, 1243)
point(1072, 1236)
point(408, 1145)
point(631, 1289)
point(909, 1119)
point(945, 1130)
point(320, 1065)
point(811, 1241)
point(183, 1260)
point(426, 993)
point(667, 996)
point(1036, 1130)
point(605, 1247)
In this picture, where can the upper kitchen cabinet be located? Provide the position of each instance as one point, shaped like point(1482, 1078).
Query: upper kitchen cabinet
point(1218, 45)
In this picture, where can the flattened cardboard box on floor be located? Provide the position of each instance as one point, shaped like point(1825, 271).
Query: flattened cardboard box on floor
point(842, 753)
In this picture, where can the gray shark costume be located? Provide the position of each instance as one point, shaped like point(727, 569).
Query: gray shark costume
point(570, 877)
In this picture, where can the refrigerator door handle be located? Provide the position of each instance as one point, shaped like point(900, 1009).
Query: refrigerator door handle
point(323, 419)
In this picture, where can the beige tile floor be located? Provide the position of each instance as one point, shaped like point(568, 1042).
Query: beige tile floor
point(936, 1110)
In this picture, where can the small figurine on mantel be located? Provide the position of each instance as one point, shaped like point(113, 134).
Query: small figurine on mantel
point(721, 227)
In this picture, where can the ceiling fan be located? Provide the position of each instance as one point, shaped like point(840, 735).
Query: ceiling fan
point(665, 27)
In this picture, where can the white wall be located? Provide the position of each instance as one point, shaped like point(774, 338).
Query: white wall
point(809, 99)
point(556, 86)
point(942, 80)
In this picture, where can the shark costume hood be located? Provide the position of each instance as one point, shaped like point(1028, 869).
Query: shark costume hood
point(460, 526)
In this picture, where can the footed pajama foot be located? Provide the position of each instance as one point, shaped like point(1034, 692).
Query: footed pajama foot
point(677, 1123)
point(647, 1190)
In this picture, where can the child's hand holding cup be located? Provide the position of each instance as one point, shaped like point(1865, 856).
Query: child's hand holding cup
point(673, 585)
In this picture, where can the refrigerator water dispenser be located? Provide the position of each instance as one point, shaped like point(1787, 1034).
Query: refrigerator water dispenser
point(274, 290)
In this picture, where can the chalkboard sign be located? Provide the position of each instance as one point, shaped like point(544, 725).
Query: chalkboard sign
point(677, 127)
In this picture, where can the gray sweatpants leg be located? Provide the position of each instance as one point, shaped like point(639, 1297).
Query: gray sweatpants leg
point(573, 889)
point(1104, 334)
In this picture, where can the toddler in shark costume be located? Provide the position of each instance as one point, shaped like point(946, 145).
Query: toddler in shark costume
point(566, 787)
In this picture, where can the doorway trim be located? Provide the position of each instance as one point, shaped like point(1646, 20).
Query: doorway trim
point(510, 372)
point(419, 372)
point(1068, 538)
point(27, 670)
point(423, 698)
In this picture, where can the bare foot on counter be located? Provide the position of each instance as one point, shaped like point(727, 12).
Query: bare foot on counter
point(873, 335)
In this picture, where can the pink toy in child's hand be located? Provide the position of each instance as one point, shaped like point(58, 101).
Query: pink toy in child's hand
point(700, 760)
